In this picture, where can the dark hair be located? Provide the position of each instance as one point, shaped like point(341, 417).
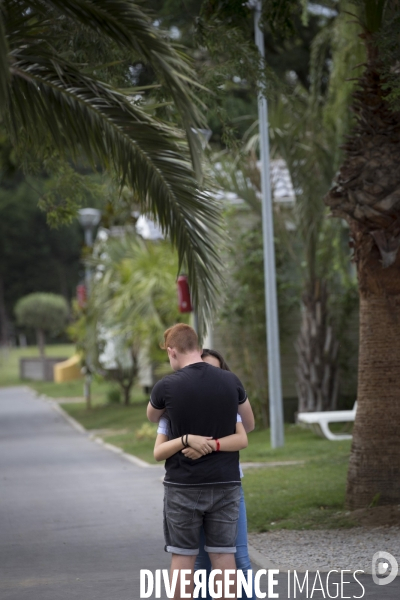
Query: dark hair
point(218, 356)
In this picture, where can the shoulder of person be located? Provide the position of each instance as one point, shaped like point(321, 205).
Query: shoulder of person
point(231, 375)
point(157, 394)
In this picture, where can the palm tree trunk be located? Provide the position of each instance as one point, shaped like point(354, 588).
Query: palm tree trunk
point(374, 470)
point(317, 349)
point(366, 193)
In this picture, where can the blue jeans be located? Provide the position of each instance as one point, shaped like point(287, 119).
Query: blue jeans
point(242, 552)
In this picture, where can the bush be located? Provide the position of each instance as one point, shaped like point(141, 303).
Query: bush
point(148, 431)
point(46, 313)
point(114, 396)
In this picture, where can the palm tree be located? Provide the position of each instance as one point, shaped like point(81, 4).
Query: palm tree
point(133, 300)
point(366, 193)
point(297, 135)
point(50, 103)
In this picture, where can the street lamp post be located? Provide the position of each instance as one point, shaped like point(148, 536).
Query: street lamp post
point(89, 218)
point(271, 304)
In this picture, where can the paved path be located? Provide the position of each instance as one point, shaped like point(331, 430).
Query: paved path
point(77, 521)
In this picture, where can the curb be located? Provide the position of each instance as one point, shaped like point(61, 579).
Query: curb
point(262, 561)
point(78, 427)
point(255, 556)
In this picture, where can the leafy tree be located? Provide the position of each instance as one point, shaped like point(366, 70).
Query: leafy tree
point(46, 313)
point(50, 101)
point(33, 256)
point(133, 300)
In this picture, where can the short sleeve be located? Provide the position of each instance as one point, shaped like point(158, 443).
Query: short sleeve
point(157, 399)
point(163, 426)
point(238, 418)
point(242, 396)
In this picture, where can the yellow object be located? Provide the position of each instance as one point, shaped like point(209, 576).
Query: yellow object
point(68, 369)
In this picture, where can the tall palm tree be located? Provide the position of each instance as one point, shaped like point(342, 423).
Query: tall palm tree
point(366, 193)
point(297, 135)
point(49, 102)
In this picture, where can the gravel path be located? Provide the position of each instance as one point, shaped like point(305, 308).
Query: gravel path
point(327, 549)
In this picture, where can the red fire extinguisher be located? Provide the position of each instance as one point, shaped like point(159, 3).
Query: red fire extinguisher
point(184, 302)
point(81, 295)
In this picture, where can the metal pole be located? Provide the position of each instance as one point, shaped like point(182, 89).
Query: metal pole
point(271, 305)
point(88, 271)
point(87, 386)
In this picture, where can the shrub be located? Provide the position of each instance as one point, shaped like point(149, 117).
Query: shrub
point(148, 431)
point(114, 396)
point(46, 313)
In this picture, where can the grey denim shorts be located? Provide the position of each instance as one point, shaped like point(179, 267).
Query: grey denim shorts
point(187, 508)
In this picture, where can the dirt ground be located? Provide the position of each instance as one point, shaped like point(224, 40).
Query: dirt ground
point(378, 516)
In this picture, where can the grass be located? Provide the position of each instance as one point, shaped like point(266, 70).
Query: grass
point(9, 374)
point(9, 360)
point(129, 419)
point(305, 496)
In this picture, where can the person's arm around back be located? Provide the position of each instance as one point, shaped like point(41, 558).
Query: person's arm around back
point(154, 414)
point(230, 443)
point(247, 416)
point(156, 406)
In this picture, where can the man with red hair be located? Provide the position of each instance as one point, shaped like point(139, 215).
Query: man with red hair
point(203, 400)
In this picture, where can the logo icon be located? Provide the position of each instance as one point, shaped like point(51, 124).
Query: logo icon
point(384, 568)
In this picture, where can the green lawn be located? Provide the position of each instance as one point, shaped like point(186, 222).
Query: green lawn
point(125, 420)
point(304, 496)
point(9, 360)
point(9, 374)
point(309, 495)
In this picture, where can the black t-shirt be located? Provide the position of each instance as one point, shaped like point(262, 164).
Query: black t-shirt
point(202, 400)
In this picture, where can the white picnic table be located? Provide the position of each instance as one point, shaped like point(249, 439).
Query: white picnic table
point(319, 422)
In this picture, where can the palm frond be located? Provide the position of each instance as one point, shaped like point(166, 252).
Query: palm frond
point(127, 24)
point(4, 62)
point(146, 153)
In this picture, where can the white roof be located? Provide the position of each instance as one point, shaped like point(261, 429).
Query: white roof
point(148, 229)
point(281, 184)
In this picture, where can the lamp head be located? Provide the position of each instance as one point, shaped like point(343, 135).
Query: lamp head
point(89, 218)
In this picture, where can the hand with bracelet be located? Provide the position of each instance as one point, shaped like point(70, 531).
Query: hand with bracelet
point(196, 446)
point(201, 444)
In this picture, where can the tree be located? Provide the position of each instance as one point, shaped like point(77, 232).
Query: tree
point(46, 313)
point(299, 135)
point(242, 313)
point(133, 300)
point(366, 193)
point(51, 103)
point(33, 256)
